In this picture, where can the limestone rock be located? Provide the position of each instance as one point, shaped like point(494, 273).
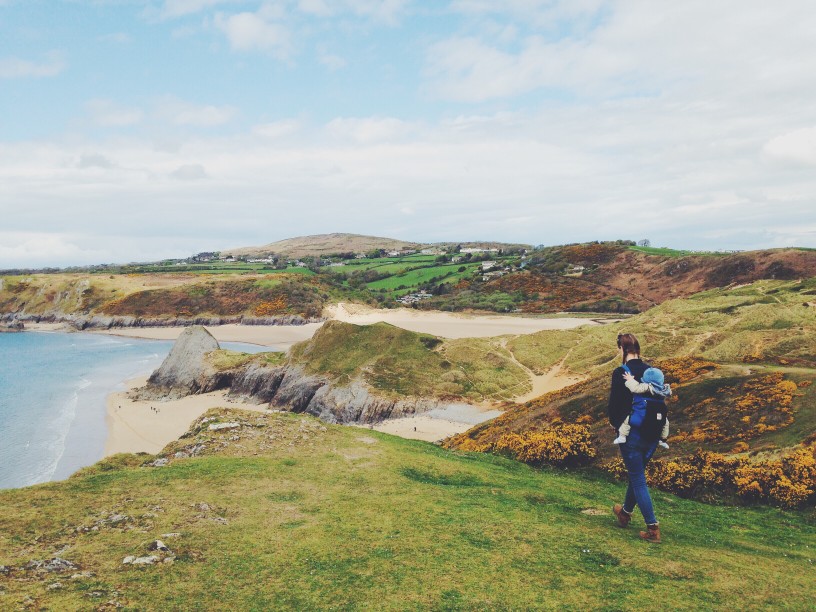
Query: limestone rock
point(57, 564)
point(157, 545)
point(151, 560)
point(185, 370)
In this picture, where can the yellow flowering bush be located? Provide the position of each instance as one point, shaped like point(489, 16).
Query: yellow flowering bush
point(557, 444)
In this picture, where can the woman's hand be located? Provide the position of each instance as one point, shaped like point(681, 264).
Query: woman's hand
point(627, 376)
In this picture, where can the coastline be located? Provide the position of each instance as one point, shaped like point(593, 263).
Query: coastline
point(133, 425)
point(452, 325)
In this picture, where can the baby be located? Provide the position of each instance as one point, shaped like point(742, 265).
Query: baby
point(652, 384)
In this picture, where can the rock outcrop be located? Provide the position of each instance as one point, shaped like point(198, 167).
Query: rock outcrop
point(292, 388)
point(185, 370)
point(289, 387)
point(81, 321)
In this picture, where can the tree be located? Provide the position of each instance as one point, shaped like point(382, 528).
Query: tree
point(644, 243)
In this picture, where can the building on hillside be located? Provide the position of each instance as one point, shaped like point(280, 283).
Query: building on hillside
point(478, 250)
point(204, 257)
point(413, 298)
point(487, 265)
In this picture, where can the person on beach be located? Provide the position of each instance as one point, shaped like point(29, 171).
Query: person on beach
point(653, 384)
point(637, 451)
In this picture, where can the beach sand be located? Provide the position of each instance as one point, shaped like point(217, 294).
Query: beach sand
point(449, 324)
point(277, 336)
point(134, 427)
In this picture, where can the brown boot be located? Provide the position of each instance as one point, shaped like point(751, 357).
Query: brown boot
point(652, 533)
point(623, 516)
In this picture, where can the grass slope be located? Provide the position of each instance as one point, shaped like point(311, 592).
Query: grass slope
point(397, 362)
point(767, 321)
point(285, 512)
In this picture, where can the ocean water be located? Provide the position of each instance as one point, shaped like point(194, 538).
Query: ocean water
point(53, 390)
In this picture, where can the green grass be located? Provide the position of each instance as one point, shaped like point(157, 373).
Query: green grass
point(398, 362)
point(340, 518)
point(415, 278)
point(766, 318)
point(665, 252)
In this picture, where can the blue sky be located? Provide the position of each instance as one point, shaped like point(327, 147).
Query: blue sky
point(136, 130)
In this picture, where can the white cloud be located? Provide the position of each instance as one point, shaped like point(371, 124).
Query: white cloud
point(107, 113)
point(180, 8)
point(184, 113)
point(797, 146)
point(368, 129)
point(277, 129)
point(15, 67)
point(386, 11)
point(30, 249)
point(256, 31)
point(93, 160)
point(189, 172)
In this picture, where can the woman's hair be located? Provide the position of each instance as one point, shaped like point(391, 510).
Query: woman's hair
point(629, 344)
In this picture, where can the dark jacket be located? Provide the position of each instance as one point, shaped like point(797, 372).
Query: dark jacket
point(620, 398)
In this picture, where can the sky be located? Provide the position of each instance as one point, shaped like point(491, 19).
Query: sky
point(136, 130)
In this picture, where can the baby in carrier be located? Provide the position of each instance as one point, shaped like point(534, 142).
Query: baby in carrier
point(652, 385)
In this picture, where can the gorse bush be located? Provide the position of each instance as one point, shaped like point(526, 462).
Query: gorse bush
point(789, 482)
point(558, 444)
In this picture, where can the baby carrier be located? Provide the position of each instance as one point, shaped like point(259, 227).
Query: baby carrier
point(648, 413)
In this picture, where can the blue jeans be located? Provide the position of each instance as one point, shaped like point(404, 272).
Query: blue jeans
point(636, 454)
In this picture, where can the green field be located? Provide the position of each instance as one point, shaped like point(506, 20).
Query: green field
point(665, 252)
point(294, 514)
point(411, 280)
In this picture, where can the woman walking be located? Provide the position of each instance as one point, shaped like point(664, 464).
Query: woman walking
point(637, 451)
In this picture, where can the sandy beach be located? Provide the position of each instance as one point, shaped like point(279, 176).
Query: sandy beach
point(133, 426)
point(280, 337)
point(449, 324)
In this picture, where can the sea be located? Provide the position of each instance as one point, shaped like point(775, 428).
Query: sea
point(53, 391)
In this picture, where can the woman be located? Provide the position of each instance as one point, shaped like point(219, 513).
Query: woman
point(636, 451)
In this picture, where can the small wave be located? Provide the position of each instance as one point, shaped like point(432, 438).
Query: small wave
point(60, 426)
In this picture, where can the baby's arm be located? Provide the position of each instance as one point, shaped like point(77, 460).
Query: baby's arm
point(664, 435)
point(636, 387)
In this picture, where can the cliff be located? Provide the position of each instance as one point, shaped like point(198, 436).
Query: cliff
point(291, 388)
point(185, 371)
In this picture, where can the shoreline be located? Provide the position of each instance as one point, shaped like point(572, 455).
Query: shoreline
point(136, 426)
point(148, 426)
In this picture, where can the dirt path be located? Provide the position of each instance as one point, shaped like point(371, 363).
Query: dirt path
point(552, 380)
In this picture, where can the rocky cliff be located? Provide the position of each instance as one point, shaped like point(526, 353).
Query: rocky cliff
point(82, 322)
point(185, 370)
point(291, 388)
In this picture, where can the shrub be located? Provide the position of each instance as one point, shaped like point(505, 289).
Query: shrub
point(557, 444)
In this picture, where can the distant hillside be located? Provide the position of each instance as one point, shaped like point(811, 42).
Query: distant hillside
point(324, 244)
point(612, 277)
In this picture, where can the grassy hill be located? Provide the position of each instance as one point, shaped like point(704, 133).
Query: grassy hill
point(285, 512)
point(398, 362)
point(742, 364)
point(324, 244)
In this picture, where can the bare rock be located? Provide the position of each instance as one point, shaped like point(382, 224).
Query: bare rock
point(185, 370)
point(157, 545)
point(223, 426)
point(151, 560)
point(57, 564)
